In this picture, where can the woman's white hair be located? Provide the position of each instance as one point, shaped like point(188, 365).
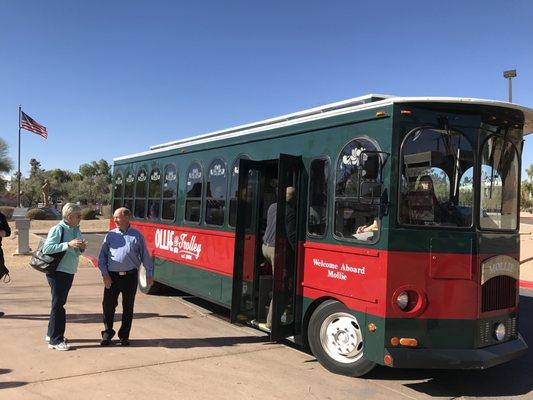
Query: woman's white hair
point(70, 208)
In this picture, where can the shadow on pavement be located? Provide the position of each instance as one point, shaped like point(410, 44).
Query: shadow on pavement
point(87, 318)
point(175, 343)
point(505, 380)
point(216, 310)
point(9, 385)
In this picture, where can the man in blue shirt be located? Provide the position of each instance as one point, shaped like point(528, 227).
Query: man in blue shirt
point(122, 253)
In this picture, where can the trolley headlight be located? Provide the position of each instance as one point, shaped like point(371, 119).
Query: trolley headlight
point(402, 301)
point(500, 332)
point(410, 300)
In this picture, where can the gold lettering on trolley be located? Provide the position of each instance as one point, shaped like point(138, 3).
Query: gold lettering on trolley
point(499, 265)
point(336, 272)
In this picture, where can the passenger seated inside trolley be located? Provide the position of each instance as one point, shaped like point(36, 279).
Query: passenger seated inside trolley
point(358, 193)
point(422, 202)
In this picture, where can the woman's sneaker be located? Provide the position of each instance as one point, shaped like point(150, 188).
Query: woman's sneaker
point(60, 346)
point(47, 338)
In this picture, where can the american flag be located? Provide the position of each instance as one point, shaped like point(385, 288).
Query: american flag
point(28, 123)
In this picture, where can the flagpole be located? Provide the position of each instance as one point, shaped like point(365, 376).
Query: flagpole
point(18, 174)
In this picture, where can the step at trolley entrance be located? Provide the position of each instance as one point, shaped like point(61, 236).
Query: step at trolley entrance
point(265, 294)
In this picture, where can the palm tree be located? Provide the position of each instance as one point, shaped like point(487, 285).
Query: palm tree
point(527, 185)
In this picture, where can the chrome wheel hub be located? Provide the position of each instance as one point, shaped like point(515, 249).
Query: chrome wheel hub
point(341, 337)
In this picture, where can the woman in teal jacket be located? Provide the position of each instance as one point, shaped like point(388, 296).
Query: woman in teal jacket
point(65, 236)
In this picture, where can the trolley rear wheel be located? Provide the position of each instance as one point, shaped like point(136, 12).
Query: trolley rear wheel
point(336, 340)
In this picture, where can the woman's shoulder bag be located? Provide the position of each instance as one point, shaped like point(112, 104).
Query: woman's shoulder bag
point(46, 263)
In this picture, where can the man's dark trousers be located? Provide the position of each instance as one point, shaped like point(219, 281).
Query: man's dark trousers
point(60, 284)
point(127, 285)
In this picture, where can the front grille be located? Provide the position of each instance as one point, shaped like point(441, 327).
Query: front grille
point(498, 293)
point(486, 330)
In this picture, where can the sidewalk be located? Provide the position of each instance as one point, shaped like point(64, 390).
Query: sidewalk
point(526, 250)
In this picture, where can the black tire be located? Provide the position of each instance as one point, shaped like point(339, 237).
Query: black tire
point(154, 289)
point(332, 318)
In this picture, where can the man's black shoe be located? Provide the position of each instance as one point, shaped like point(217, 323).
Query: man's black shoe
point(1, 313)
point(105, 342)
point(124, 342)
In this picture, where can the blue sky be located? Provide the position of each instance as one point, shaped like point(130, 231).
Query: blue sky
point(110, 78)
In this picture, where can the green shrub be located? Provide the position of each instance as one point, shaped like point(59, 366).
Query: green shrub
point(7, 211)
point(88, 213)
point(37, 213)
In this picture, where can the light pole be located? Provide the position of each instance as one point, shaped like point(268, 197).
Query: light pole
point(510, 74)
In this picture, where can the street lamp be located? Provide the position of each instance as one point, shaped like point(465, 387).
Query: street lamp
point(510, 74)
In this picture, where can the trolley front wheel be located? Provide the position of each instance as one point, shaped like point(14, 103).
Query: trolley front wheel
point(336, 340)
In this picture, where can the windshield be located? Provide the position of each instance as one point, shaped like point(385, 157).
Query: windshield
point(436, 180)
point(498, 184)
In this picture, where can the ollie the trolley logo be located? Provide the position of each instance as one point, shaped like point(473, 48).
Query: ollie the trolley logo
point(181, 244)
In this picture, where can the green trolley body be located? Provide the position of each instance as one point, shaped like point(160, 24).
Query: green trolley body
point(399, 247)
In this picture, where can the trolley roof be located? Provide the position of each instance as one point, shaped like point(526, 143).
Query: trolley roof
point(338, 108)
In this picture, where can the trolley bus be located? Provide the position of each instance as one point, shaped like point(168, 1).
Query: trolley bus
point(403, 248)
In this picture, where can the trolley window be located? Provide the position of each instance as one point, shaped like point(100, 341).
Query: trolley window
point(170, 192)
point(215, 198)
point(435, 178)
point(118, 190)
point(358, 163)
point(129, 187)
point(498, 185)
point(140, 194)
point(234, 189)
point(193, 201)
point(318, 197)
point(154, 194)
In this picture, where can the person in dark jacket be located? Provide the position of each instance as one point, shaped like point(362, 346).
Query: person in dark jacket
point(269, 238)
point(4, 232)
